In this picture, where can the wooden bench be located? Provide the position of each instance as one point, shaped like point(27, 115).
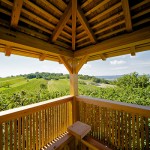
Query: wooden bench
point(66, 140)
point(92, 143)
point(80, 130)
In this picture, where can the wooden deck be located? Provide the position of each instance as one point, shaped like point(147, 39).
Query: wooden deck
point(115, 124)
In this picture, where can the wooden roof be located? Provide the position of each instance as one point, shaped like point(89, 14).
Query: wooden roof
point(93, 29)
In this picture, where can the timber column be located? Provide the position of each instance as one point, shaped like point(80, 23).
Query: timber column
point(74, 89)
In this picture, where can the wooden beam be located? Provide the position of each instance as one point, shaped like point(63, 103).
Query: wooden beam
point(120, 42)
point(81, 63)
point(85, 24)
point(126, 10)
point(42, 57)
point(74, 16)
point(66, 64)
point(64, 19)
point(8, 50)
point(132, 50)
point(17, 6)
point(32, 44)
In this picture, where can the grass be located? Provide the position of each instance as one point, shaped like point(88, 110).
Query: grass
point(30, 86)
point(58, 85)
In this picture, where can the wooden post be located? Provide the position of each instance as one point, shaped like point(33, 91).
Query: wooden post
point(74, 89)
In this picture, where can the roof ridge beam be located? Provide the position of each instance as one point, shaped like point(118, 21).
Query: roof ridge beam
point(64, 19)
point(85, 24)
point(74, 18)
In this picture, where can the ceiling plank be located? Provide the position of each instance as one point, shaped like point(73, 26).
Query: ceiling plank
point(26, 42)
point(126, 10)
point(85, 24)
point(64, 19)
point(66, 64)
point(74, 18)
point(120, 42)
point(17, 6)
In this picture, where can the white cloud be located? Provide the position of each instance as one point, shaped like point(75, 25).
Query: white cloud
point(117, 62)
point(119, 68)
point(87, 66)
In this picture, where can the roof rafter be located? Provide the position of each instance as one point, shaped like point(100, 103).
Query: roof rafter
point(64, 19)
point(74, 17)
point(126, 10)
point(137, 38)
point(17, 6)
point(85, 24)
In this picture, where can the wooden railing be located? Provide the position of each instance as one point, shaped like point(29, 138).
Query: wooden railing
point(34, 126)
point(116, 124)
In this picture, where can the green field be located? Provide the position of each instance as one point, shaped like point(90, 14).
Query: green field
point(19, 91)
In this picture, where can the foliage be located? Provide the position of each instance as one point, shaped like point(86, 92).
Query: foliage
point(130, 88)
point(133, 80)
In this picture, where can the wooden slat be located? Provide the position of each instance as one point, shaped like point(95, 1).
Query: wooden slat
point(139, 4)
point(23, 132)
point(30, 127)
point(1, 137)
point(6, 136)
point(147, 132)
point(141, 13)
point(74, 15)
point(105, 12)
point(146, 20)
point(86, 3)
point(142, 132)
point(19, 133)
point(126, 10)
point(110, 27)
point(96, 7)
point(64, 19)
point(111, 33)
point(101, 23)
point(85, 25)
point(41, 11)
point(27, 132)
point(17, 6)
point(15, 134)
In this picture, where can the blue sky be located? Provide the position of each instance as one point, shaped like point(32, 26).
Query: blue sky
point(15, 65)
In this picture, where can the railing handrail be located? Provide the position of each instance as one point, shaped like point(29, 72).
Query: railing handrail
point(132, 108)
point(29, 109)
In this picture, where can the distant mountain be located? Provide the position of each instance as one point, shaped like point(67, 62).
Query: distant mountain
point(113, 77)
